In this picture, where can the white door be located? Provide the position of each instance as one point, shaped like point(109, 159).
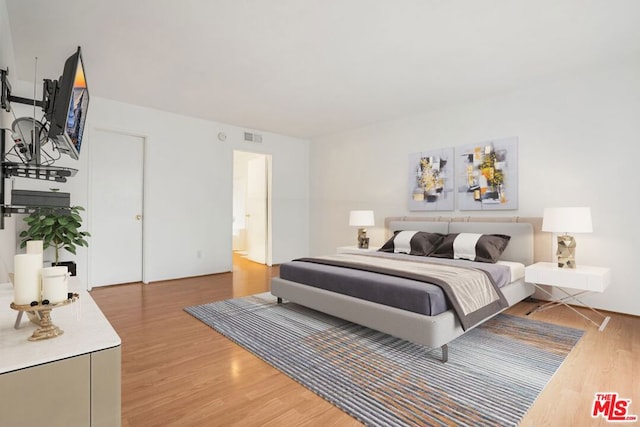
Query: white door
point(256, 209)
point(115, 244)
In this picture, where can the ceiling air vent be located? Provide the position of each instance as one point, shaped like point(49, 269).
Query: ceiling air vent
point(252, 137)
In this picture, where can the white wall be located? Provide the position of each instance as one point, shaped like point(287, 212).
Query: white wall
point(6, 45)
point(7, 236)
point(189, 179)
point(579, 145)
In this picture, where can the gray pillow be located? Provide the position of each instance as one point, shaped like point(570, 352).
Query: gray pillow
point(471, 246)
point(412, 242)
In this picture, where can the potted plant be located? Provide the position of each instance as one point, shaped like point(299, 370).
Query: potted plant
point(57, 227)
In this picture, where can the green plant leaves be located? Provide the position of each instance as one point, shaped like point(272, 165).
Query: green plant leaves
point(56, 227)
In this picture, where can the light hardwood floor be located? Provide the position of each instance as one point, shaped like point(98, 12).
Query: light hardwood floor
point(176, 371)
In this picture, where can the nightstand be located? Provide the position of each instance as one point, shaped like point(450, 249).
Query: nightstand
point(585, 279)
point(354, 250)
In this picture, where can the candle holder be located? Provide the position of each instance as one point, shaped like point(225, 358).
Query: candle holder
point(46, 329)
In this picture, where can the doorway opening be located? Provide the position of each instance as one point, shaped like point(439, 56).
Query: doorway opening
point(251, 228)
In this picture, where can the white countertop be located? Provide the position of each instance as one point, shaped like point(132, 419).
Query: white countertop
point(85, 328)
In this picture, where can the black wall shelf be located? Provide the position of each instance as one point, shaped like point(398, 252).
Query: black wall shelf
point(22, 170)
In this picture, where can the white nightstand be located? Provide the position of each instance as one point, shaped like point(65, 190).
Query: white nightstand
point(584, 278)
point(355, 250)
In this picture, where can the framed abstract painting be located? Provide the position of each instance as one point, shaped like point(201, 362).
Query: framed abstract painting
point(431, 186)
point(487, 175)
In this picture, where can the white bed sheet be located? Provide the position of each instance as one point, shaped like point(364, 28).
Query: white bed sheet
point(517, 269)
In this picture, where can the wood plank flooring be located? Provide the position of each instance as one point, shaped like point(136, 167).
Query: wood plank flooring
point(176, 371)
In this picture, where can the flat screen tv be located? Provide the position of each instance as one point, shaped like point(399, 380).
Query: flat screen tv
point(69, 112)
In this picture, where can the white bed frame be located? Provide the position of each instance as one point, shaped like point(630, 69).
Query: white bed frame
point(526, 246)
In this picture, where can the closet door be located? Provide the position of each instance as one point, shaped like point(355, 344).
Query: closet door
point(116, 201)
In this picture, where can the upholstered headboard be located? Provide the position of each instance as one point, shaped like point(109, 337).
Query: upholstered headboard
point(528, 243)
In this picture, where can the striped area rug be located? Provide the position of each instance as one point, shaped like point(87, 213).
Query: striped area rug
point(494, 373)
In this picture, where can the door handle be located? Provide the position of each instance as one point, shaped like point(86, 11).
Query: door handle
point(138, 217)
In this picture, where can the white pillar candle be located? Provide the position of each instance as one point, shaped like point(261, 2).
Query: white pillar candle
point(35, 247)
point(55, 284)
point(26, 278)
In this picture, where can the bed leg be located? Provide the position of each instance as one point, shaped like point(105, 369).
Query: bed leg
point(279, 300)
point(445, 353)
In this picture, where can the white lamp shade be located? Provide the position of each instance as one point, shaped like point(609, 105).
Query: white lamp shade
point(567, 220)
point(361, 218)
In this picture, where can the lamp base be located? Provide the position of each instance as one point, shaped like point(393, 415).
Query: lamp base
point(566, 251)
point(363, 240)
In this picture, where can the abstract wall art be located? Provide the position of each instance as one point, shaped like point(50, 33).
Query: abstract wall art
point(487, 175)
point(431, 186)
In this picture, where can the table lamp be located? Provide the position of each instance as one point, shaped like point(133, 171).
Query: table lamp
point(361, 219)
point(567, 220)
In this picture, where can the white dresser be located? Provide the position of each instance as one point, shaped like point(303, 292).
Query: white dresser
point(70, 380)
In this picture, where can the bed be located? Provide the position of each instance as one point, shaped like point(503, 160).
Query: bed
point(432, 329)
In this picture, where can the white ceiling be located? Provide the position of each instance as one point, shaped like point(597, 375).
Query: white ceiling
point(311, 67)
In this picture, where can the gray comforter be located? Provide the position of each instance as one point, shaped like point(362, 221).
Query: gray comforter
point(473, 289)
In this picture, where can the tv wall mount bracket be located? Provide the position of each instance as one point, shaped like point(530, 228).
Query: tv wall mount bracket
point(6, 98)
